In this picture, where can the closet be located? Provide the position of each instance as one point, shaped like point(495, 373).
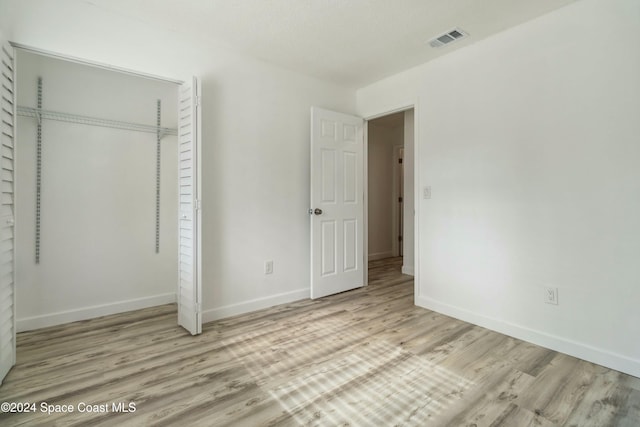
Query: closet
point(106, 202)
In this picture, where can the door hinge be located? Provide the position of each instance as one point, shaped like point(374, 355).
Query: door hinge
point(197, 101)
point(400, 199)
point(399, 160)
point(197, 204)
point(399, 238)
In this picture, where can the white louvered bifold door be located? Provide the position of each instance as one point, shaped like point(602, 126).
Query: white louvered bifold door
point(189, 282)
point(7, 284)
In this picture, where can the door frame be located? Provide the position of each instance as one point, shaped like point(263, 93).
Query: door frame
point(385, 111)
point(397, 220)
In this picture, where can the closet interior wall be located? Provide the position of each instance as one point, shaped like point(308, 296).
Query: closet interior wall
point(98, 198)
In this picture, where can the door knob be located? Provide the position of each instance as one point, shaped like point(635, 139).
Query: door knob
point(317, 211)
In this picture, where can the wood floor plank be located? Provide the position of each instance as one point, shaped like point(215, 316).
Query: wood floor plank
point(628, 414)
point(515, 415)
point(488, 401)
point(366, 357)
point(601, 402)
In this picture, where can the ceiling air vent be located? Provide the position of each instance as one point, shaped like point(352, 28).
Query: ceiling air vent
point(447, 38)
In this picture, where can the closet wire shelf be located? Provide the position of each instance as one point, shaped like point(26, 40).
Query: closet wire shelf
point(41, 114)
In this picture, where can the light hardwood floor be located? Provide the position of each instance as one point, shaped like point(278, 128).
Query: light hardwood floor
point(368, 357)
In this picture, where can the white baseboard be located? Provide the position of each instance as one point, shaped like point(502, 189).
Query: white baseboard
point(580, 350)
point(380, 255)
point(253, 305)
point(408, 269)
point(62, 317)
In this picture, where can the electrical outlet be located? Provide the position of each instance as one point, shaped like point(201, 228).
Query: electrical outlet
point(268, 267)
point(551, 295)
point(426, 192)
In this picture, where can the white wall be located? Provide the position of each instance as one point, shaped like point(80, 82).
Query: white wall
point(381, 142)
point(256, 184)
point(529, 140)
point(97, 250)
point(255, 142)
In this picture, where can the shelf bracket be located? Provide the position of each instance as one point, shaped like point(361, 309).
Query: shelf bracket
point(159, 136)
point(38, 172)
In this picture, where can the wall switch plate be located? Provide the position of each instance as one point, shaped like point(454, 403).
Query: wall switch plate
point(551, 295)
point(426, 192)
point(268, 267)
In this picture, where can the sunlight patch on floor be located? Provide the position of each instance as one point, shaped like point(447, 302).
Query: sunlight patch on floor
point(328, 373)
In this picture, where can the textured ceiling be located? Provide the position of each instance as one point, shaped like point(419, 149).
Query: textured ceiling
point(349, 42)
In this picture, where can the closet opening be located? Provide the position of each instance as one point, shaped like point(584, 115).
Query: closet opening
point(98, 195)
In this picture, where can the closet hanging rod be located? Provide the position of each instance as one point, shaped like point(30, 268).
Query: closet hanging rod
point(40, 114)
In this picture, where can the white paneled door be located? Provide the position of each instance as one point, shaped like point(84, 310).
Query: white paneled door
point(337, 202)
point(189, 282)
point(7, 284)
